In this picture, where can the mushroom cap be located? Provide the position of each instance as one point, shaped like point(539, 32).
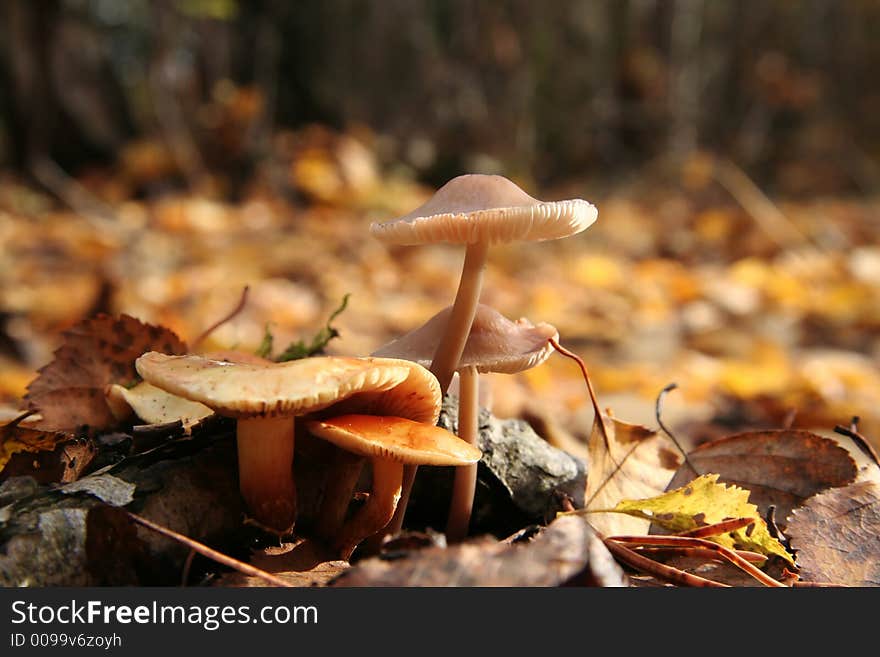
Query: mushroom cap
point(482, 208)
point(495, 344)
point(395, 439)
point(154, 405)
point(243, 390)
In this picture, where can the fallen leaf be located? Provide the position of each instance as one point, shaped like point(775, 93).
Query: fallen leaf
point(47, 456)
point(784, 468)
point(635, 462)
point(107, 488)
point(703, 502)
point(566, 551)
point(836, 536)
point(303, 563)
point(70, 391)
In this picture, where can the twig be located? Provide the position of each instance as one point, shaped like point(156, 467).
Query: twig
point(860, 441)
point(658, 412)
point(725, 553)
point(752, 557)
point(657, 569)
point(73, 194)
point(599, 417)
point(580, 361)
point(773, 528)
point(766, 214)
point(718, 528)
point(211, 553)
point(213, 327)
point(14, 422)
point(818, 585)
point(184, 575)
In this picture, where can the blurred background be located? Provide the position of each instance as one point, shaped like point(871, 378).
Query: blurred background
point(156, 157)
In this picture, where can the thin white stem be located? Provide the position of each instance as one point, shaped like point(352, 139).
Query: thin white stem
point(465, 483)
point(265, 470)
point(449, 351)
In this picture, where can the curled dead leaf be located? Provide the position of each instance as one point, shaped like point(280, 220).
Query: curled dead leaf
point(47, 456)
point(634, 462)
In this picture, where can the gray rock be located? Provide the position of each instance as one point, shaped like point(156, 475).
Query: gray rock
point(521, 478)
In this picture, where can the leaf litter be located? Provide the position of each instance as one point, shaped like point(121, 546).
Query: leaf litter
point(716, 320)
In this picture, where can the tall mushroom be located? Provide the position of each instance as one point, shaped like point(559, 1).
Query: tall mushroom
point(265, 398)
point(478, 211)
point(494, 344)
point(389, 442)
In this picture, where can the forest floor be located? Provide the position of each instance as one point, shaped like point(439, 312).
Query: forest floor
point(765, 313)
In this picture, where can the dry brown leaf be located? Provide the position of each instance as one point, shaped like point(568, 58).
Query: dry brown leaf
point(69, 392)
point(303, 563)
point(636, 462)
point(837, 536)
point(567, 551)
point(47, 456)
point(784, 468)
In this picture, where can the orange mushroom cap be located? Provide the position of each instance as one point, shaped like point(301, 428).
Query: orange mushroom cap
point(395, 439)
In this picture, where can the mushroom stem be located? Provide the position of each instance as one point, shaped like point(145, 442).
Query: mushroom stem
point(341, 480)
point(451, 346)
point(375, 514)
point(465, 484)
point(265, 470)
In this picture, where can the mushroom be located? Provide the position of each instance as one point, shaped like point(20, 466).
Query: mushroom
point(494, 344)
point(389, 442)
point(477, 210)
point(265, 398)
point(154, 406)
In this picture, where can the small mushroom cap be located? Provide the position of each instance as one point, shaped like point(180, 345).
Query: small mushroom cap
point(495, 344)
point(242, 390)
point(482, 208)
point(154, 405)
point(395, 439)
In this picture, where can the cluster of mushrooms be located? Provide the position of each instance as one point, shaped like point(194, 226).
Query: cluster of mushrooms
point(384, 407)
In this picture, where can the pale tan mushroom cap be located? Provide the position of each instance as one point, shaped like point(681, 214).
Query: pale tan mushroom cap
point(154, 405)
point(395, 439)
point(371, 385)
point(495, 344)
point(481, 208)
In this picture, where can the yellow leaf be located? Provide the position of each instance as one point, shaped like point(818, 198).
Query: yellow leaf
point(634, 461)
point(705, 502)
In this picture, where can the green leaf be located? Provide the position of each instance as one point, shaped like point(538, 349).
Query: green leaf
point(705, 502)
point(265, 348)
point(300, 349)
